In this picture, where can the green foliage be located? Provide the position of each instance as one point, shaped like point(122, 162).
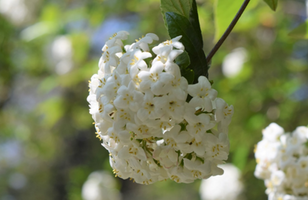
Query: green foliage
point(6, 66)
point(300, 32)
point(240, 155)
point(185, 8)
point(55, 109)
point(194, 20)
point(181, 7)
point(224, 11)
point(183, 60)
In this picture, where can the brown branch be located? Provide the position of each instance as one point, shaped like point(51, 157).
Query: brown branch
point(227, 32)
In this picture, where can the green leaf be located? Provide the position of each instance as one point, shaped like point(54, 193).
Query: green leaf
point(186, 8)
point(194, 20)
point(181, 7)
point(272, 4)
point(300, 32)
point(189, 74)
point(183, 60)
point(179, 25)
point(224, 12)
point(181, 18)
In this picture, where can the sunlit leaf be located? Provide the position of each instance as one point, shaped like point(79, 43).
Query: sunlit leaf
point(224, 12)
point(38, 30)
point(51, 13)
point(185, 8)
point(300, 32)
point(181, 7)
point(51, 111)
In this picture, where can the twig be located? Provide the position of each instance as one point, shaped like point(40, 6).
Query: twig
point(227, 32)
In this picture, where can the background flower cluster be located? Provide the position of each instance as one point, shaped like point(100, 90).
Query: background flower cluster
point(282, 161)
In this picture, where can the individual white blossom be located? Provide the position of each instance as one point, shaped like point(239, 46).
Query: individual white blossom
point(138, 101)
point(156, 80)
point(128, 97)
point(202, 91)
point(149, 109)
point(116, 40)
point(197, 168)
point(143, 43)
point(282, 162)
point(217, 147)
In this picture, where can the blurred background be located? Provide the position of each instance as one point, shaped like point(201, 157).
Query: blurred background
point(50, 49)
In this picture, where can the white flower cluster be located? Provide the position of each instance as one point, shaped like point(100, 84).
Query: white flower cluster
point(100, 185)
point(225, 187)
point(282, 161)
point(140, 111)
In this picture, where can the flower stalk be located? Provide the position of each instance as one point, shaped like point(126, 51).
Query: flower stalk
point(227, 32)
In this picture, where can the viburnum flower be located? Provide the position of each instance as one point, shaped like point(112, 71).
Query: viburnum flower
point(282, 162)
point(100, 185)
point(139, 103)
point(156, 80)
point(143, 43)
point(226, 187)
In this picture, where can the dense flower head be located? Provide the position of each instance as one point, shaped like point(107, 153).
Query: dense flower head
point(138, 101)
point(282, 162)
